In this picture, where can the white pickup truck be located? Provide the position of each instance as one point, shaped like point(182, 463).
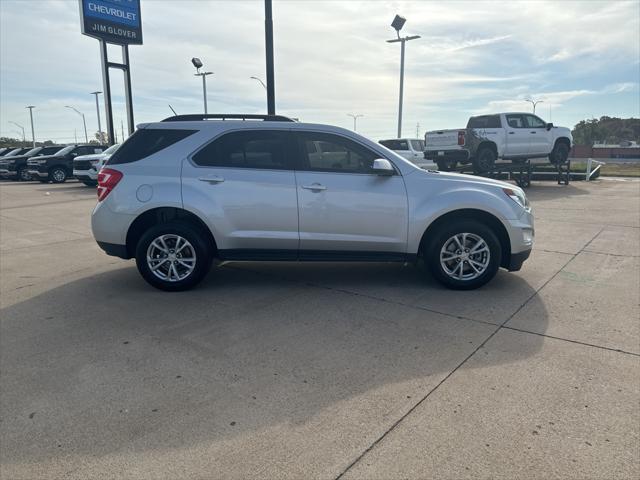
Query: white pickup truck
point(507, 136)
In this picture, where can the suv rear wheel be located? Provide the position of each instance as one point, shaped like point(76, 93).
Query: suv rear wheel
point(23, 175)
point(464, 254)
point(173, 256)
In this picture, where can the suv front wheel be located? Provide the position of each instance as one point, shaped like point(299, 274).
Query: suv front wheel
point(58, 175)
point(464, 254)
point(173, 256)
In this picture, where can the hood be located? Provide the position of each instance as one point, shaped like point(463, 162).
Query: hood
point(15, 157)
point(46, 157)
point(93, 156)
point(471, 179)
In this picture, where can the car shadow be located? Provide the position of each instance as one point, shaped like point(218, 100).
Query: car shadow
point(106, 364)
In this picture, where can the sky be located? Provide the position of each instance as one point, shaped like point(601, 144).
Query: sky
point(582, 58)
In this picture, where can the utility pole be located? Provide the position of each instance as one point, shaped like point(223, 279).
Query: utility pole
point(418, 130)
point(75, 135)
point(33, 135)
point(98, 113)
point(122, 129)
point(397, 24)
point(355, 117)
point(84, 122)
point(268, 42)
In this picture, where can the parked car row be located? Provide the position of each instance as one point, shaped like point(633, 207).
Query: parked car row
point(54, 163)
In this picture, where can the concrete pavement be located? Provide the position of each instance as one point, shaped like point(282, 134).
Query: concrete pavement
point(321, 370)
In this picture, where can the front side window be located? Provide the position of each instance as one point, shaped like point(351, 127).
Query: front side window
point(325, 152)
point(534, 122)
point(484, 121)
point(262, 149)
point(515, 121)
point(146, 142)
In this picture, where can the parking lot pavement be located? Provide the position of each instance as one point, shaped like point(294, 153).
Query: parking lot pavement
point(321, 370)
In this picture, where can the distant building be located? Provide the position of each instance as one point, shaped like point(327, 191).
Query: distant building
point(624, 149)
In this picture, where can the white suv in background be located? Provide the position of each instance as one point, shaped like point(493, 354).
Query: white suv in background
point(192, 188)
point(410, 148)
point(86, 167)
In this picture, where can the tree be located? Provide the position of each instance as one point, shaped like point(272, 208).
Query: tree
point(606, 129)
point(101, 138)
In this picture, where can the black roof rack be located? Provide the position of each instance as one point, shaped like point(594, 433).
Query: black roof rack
point(194, 117)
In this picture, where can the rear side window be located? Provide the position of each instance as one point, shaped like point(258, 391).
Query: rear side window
point(264, 149)
point(146, 142)
point(484, 121)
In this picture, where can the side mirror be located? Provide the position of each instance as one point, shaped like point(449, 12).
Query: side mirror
point(549, 126)
point(382, 166)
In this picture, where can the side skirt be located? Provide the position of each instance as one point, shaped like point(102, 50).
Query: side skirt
point(250, 255)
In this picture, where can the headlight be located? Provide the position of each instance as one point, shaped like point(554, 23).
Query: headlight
point(517, 196)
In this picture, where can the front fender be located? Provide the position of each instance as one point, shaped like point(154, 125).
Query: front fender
point(425, 211)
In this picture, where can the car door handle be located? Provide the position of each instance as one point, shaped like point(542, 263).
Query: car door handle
point(534, 132)
point(212, 179)
point(512, 133)
point(314, 187)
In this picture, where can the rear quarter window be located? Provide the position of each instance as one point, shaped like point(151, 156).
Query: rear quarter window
point(484, 121)
point(146, 142)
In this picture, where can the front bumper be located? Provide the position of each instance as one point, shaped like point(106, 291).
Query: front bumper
point(8, 173)
point(517, 259)
point(38, 173)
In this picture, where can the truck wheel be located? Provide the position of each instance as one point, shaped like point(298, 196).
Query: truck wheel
point(445, 165)
point(58, 175)
point(173, 256)
point(464, 254)
point(485, 160)
point(559, 154)
point(23, 175)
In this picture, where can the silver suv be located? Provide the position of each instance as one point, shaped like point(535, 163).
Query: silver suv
point(193, 188)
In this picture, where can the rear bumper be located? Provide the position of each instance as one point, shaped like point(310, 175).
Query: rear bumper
point(86, 175)
point(447, 155)
point(115, 250)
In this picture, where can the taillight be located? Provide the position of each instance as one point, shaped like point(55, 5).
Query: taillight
point(107, 181)
point(461, 134)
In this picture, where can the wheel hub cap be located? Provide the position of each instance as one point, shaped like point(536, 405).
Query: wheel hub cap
point(171, 257)
point(465, 256)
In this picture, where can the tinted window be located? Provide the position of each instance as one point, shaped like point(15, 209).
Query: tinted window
point(331, 153)
point(146, 142)
point(246, 149)
point(417, 145)
point(484, 121)
point(13, 152)
point(48, 151)
point(515, 121)
point(65, 150)
point(534, 122)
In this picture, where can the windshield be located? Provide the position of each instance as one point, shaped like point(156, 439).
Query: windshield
point(33, 151)
point(48, 151)
point(13, 152)
point(112, 149)
point(66, 150)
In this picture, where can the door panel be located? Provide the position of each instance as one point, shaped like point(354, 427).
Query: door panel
point(343, 207)
point(540, 137)
point(248, 207)
point(518, 136)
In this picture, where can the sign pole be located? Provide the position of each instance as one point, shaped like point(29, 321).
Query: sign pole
point(127, 89)
point(107, 91)
point(268, 35)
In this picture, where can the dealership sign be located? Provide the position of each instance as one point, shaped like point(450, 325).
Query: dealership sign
point(114, 21)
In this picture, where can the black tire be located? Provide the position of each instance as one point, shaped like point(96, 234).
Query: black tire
point(58, 175)
point(23, 175)
point(485, 160)
point(443, 236)
point(90, 183)
point(559, 154)
point(198, 243)
point(445, 165)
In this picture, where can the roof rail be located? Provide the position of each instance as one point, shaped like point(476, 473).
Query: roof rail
point(194, 117)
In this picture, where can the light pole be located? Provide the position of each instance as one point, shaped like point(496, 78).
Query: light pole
point(265, 88)
point(355, 117)
point(21, 128)
point(84, 122)
point(534, 103)
point(198, 64)
point(397, 24)
point(98, 113)
point(33, 135)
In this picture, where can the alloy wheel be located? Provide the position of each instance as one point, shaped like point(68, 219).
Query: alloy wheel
point(465, 256)
point(171, 257)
